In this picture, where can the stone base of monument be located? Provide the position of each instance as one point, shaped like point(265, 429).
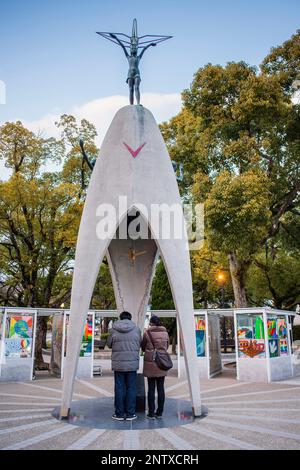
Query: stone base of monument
point(97, 413)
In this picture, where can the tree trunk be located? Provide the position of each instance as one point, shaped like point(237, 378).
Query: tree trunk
point(44, 344)
point(238, 271)
point(105, 325)
point(41, 327)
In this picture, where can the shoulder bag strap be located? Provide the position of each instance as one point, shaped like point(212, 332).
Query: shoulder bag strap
point(151, 339)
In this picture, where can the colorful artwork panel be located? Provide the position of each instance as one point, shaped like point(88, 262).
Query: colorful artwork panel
point(87, 338)
point(259, 332)
point(272, 329)
point(283, 343)
point(18, 341)
point(273, 348)
point(199, 323)
point(200, 343)
point(86, 345)
point(16, 347)
point(251, 348)
point(88, 329)
point(245, 332)
point(86, 349)
point(281, 328)
point(20, 326)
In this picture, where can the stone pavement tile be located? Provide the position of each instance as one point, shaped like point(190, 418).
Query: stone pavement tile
point(223, 395)
point(233, 388)
point(260, 397)
point(259, 403)
point(178, 442)
point(79, 392)
point(274, 425)
point(86, 439)
point(151, 440)
point(103, 382)
point(83, 391)
point(285, 403)
point(180, 390)
point(237, 394)
point(18, 404)
point(13, 411)
point(61, 442)
point(131, 439)
point(94, 387)
point(33, 396)
point(51, 387)
point(280, 413)
point(173, 383)
point(216, 382)
point(38, 389)
point(18, 436)
point(222, 379)
point(217, 388)
point(110, 440)
point(14, 424)
point(203, 442)
point(260, 439)
point(293, 381)
point(13, 421)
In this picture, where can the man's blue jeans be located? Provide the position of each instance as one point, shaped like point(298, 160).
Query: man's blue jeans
point(125, 393)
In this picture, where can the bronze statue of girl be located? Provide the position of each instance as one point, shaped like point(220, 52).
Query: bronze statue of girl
point(134, 76)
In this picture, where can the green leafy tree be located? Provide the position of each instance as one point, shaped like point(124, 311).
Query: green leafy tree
point(207, 265)
point(237, 215)
point(161, 295)
point(284, 62)
point(275, 280)
point(39, 217)
point(236, 137)
point(274, 275)
point(76, 169)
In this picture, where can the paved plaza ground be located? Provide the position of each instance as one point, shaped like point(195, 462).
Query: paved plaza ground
point(240, 416)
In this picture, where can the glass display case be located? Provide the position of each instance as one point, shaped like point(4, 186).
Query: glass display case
point(263, 345)
point(251, 336)
point(200, 335)
point(277, 336)
point(17, 344)
point(208, 343)
point(86, 354)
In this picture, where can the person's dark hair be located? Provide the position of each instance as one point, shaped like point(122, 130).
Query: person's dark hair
point(154, 320)
point(125, 316)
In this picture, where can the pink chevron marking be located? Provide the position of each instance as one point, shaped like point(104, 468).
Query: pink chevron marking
point(134, 153)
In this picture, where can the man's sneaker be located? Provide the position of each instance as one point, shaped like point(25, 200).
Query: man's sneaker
point(150, 416)
point(158, 416)
point(118, 418)
point(131, 417)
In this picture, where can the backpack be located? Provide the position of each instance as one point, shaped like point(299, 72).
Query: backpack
point(162, 358)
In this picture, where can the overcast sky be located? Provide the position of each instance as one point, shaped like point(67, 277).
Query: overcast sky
point(52, 62)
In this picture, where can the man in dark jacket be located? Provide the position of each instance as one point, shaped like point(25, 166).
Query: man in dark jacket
point(125, 340)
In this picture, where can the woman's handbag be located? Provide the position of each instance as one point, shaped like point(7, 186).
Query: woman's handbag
point(162, 358)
